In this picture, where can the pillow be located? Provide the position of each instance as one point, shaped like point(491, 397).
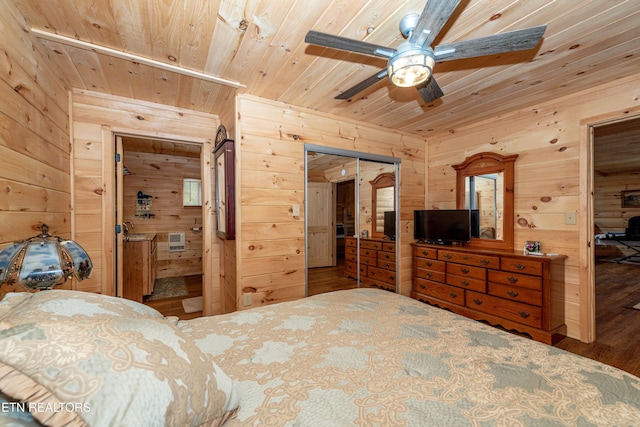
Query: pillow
point(113, 371)
point(20, 308)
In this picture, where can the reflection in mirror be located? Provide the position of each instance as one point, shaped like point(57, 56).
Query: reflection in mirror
point(382, 200)
point(485, 184)
point(484, 196)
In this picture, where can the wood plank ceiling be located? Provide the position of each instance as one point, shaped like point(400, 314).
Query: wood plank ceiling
point(260, 44)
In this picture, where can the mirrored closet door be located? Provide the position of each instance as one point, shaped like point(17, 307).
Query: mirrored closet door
point(350, 222)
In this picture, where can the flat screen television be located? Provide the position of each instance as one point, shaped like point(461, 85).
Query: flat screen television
point(443, 226)
point(390, 225)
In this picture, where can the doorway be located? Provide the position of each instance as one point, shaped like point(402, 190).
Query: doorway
point(159, 194)
point(616, 255)
point(339, 217)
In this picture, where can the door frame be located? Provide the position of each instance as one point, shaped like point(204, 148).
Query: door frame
point(358, 156)
point(587, 221)
point(112, 241)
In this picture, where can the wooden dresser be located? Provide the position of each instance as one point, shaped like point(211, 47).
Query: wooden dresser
point(377, 262)
point(503, 288)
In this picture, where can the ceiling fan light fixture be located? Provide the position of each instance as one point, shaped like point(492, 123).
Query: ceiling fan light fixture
point(411, 67)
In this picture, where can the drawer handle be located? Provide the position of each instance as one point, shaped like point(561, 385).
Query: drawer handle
point(512, 279)
point(429, 275)
point(478, 301)
point(453, 295)
point(484, 261)
point(464, 283)
point(387, 265)
point(512, 294)
point(465, 270)
point(423, 287)
point(524, 314)
point(447, 256)
point(519, 266)
point(429, 264)
point(465, 257)
point(425, 253)
point(387, 256)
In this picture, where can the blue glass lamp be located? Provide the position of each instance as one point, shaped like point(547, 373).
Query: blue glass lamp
point(43, 261)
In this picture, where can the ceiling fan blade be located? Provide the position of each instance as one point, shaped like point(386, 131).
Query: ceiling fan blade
point(363, 85)
point(435, 14)
point(430, 90)
point(349, 45)
point(491, 45)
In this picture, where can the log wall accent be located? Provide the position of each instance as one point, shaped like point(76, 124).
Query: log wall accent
point(95, 119)
point(161, 176)
point(270, 179)
point(34, 137)
point(548, 173)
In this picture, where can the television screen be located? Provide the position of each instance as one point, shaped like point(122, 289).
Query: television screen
point(442, 226)
point(390, 225)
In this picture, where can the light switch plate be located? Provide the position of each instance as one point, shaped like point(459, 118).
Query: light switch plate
point(570, 218)
point(246, 299)
point(295, 210)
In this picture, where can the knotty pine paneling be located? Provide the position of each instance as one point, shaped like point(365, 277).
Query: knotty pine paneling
point(97, 117)
point(547, 173)
point(34, 137)
point(270, 179)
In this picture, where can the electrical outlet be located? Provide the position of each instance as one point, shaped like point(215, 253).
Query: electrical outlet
point(570, 218)
point(295, 210)
point(247, 299)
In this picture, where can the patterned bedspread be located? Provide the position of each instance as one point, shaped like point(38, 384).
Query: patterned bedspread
point(371, 357)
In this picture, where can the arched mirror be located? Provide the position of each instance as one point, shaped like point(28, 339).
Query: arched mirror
point(383, 200)
point(485, 185)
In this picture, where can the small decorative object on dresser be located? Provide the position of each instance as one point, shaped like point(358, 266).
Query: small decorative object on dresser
point(501, 287)
point(532, 247)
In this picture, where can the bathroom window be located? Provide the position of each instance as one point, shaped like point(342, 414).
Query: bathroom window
point(192, 192)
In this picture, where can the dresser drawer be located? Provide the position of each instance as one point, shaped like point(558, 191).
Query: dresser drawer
point(429, 264)
point(527, 296)
point(368, 261)
point(389, 247)
point(350, 242)
point(511, 310)
point(519, 265)
point(371, 253)
point(470, 259)
point(440, 291)
point(371, 245)
point(437, 276)
point(520, 280)
point(382, 275)
point(421, 252)
point(387, 256)
point(387, 265)
point(466, 271)
point(352, 269)
point(477, 285)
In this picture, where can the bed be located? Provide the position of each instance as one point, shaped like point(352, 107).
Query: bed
point(358, 357)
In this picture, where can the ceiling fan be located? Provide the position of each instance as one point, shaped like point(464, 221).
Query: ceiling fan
point(411, 64)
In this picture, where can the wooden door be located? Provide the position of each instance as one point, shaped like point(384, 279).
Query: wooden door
point(321, 238)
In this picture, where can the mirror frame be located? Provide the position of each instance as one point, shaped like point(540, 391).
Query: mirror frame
point(486, 163)
point(384, 180)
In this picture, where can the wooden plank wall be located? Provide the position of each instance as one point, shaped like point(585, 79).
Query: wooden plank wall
point(270, 179)
point(161, 176)
point(34, 137)
point(549, 182)
point(92, 114)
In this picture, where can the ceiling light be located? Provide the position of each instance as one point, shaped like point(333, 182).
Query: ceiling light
point(411, 65)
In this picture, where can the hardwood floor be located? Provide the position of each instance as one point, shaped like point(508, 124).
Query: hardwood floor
point(173, 306)
point(618, 326)
point(328, 279)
